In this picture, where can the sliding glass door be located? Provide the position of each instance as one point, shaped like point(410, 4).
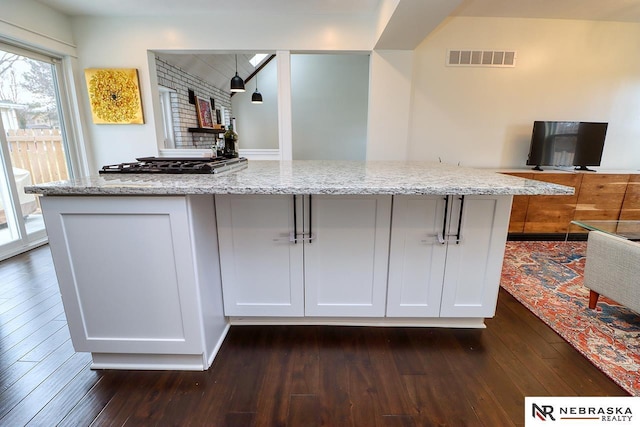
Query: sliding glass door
point(33, 146)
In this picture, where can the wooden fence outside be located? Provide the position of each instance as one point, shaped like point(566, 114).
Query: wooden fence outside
point(40, 151)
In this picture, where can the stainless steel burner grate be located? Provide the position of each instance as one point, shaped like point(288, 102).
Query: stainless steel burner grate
point(177, 165)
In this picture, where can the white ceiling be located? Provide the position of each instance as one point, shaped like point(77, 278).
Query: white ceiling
point(590, 10)
point(611, 10)
point(218, 69)
point(182, 7)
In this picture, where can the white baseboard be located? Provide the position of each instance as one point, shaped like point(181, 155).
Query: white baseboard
point(219, 343)
point(418, 322)
point(149, 362)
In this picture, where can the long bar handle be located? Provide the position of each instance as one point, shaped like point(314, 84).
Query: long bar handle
point(458, 234)
point(310, 222)
point(441, 237)
point(294, 238)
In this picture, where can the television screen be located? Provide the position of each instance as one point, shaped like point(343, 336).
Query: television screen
point(565, 144)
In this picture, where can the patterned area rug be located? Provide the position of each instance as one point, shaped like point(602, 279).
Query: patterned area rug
point(546, 277)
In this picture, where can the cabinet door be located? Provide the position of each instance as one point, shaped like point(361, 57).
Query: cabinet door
point(552, 214)
point(261, 268)
point(126, 273)
point(601, 197)
point(474, 264)
point(346, 262)
point(417, 256)
point(631, 205)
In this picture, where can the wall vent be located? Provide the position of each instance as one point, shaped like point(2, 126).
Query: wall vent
point(481, 58)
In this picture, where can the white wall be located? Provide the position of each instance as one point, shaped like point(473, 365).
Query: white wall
point(31, 23)
point(330, 106)
point(390, 89)
point(34, 26)
point(566, 70)
point(123, 42)
point(258, 123)
point(329, 102)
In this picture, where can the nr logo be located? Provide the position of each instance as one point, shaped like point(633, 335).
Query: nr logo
point(543, 412)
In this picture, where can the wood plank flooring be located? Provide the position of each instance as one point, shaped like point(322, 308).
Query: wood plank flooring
point(285, 376)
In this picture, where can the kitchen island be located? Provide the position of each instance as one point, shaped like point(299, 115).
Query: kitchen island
point(153, 269)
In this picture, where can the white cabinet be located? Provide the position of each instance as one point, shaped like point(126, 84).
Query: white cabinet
point(446, 255)
point(417, 258)
point(346, 261)
point(325, 256)
point(149, 282)
point(474, 265)
point(261, 266)
point(139, 278)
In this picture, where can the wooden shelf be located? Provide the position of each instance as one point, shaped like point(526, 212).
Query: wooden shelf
point(206, 130)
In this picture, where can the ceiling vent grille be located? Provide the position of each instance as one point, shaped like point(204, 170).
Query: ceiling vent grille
point(481, 58)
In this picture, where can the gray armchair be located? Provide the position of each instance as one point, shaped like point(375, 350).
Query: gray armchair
point(613, 269)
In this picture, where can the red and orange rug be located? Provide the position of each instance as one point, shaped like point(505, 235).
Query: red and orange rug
point(546, 277)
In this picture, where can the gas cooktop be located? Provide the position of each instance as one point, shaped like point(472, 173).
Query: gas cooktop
point(178, 165)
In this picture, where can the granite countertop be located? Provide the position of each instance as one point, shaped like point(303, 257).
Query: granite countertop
point(310, 177)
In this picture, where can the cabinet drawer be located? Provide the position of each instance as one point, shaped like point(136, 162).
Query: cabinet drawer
point(601, 196)
point(568, 179)
point(548, 218)
point(552, 214)
point(631, 204)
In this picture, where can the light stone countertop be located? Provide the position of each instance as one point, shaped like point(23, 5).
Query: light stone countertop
point(310, 177)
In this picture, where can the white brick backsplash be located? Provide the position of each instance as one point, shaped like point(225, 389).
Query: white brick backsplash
point(184, 113)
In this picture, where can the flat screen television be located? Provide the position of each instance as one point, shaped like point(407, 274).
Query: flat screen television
point(567, 144)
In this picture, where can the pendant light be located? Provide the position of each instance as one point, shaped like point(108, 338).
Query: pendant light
point(237, 84)
point(256, 98)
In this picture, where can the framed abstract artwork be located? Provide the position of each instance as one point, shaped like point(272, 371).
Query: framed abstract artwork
point(114, 95)
point(205, 116)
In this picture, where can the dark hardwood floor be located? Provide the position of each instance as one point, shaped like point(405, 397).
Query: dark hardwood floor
point(277, 376)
